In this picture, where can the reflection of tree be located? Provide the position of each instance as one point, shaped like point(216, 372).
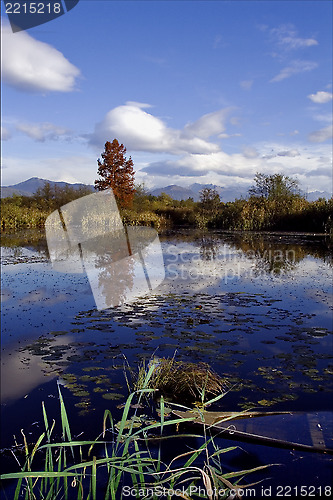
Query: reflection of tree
point(29, 238)
point(210, 241)
point(273, 260)
point(271, 252)
point(208, 248)
point(115, 280)
point(278, 254)
point(109, 257)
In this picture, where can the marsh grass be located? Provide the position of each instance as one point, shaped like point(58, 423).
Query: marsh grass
point(178, 380)
point(15, 217)
point(126, 453)
point(147, 218)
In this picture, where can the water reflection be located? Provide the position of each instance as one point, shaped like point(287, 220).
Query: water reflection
point(110, 269)
point(271, 335)
point(272, 255)
point(286, 248)
point(121, 263)
point(24, 368)
point(209, 247)
point(274, 260)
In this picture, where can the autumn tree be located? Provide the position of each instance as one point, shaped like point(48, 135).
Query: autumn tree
point(116, 172)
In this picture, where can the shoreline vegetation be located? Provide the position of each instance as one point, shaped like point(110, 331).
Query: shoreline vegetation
point(286, 211)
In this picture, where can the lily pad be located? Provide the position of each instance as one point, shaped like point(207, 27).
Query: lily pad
point(112, 395)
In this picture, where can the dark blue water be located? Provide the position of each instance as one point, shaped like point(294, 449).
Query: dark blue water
point(256, 308)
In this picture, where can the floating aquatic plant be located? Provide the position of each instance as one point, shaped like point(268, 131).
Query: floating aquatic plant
point(179, 380)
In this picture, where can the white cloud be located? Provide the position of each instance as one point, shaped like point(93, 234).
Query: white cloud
point(34, 66)
point(141, 131)
point(5, 134)
point(286, 37)
point(134, 126)
point(289, 152)
point(41, 132)
point(74, 168)
point(322, 135)
point(193, 155)
point(311, 164)
point(326, 117)
point(294, 68)
point(199, 165)
point(286, 40)
point(209, 124)
point(250, 152)
point(321, 97)
point(246, 84)
point(239, 169)
point(227, 136)
point(307, 159)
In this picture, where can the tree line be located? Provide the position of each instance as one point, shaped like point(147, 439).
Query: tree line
point(274, 203)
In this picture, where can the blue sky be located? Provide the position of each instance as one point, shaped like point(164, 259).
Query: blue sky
point(198, 91)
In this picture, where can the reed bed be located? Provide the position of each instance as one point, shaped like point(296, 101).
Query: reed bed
point(147, 218)
point(15, 217)
point(126, 459)
point(180, 380)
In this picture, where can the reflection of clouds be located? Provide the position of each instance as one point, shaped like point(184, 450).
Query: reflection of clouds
point(6, 294)
point(42, 295)
point(194, 271)
point(20, 255)
point(324, 297)
point(22, 371)
point(310, 267)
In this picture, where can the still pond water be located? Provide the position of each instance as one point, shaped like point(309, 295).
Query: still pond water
point(256, 307)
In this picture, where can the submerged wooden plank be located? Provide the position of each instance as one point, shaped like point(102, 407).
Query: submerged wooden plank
point(292, 430)
point(214, 417)
point(316, 431)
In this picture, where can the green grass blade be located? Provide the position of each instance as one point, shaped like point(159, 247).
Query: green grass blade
point(244, 472)
point(140, 468)
point(217, 398)
point(30, 474)
point(94, 478)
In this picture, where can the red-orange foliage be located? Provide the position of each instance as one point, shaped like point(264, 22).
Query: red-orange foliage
point(117, 173)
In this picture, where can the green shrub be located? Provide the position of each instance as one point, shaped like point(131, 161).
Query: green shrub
point(132, 218)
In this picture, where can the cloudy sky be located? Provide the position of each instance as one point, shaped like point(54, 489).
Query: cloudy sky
point(198, 91)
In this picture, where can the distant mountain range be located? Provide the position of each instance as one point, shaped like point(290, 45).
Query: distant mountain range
point(193, 191)
point(226, 194)
point(29, 187)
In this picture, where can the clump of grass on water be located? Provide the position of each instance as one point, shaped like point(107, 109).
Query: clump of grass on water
point(179, 380)
point(123, 458)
